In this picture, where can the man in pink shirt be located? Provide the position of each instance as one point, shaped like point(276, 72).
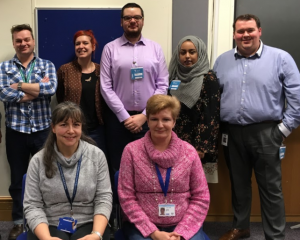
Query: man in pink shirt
point(133, 69)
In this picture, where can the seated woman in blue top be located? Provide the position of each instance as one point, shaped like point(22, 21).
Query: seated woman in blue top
point(68, 193)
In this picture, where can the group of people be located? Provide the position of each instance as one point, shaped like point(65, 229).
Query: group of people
point(158, 126)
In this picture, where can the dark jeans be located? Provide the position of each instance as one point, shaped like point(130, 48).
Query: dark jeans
point(80, 232)
point(132, 233)
point(98, 136)
point(19, 147)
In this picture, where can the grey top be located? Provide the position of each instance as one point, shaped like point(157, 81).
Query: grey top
point(45, 200)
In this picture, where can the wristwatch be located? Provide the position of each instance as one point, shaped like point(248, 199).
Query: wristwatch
point(20, 86)
point(99, 234)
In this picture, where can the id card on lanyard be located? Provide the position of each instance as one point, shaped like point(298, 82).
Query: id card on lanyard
point(69, 224)
point(24, 77)
point(165, 210)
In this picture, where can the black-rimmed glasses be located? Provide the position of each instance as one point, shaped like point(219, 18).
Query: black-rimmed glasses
point(136, 18)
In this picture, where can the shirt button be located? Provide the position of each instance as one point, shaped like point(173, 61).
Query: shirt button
point(244, 72)
point(244, 81)
point(243, 90)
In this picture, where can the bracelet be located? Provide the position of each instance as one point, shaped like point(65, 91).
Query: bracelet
point(99, 234)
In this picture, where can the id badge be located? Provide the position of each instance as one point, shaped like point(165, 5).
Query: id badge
point(166, 210)
point(282, 152)
point(137, 73)
point(174, 85)
point(224, 140)
point(67, 224)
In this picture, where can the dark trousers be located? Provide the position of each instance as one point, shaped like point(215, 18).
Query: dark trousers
point(98, 135)
point(80, 232)
point(117, 137)
point(256, 146)
point(19, 147)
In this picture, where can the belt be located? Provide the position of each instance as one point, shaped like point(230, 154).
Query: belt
point(267, 121)
point(133, 112)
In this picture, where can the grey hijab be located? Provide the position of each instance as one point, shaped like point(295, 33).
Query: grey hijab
point(191, 78)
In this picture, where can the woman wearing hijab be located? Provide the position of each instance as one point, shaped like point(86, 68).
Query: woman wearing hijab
point(199, 95)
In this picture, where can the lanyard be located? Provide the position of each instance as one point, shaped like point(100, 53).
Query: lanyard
point(75, 184)
point(163, 186)
point(26, 78)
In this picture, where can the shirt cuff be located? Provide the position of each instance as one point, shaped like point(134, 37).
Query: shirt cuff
point(123, 115)
point(21, 95)
point(284, 130)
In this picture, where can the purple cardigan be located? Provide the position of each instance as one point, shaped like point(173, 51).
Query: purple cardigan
point(140, 192)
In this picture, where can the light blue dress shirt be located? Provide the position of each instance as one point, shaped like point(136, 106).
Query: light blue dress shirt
point(254, 89)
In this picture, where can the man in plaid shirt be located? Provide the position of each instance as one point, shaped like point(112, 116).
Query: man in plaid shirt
point(26, 86)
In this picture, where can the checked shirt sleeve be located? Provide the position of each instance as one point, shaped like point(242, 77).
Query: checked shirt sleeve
point(49, 88)
point(8, 94)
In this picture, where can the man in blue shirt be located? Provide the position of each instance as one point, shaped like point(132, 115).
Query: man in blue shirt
point(256, 81)
point(26, 86)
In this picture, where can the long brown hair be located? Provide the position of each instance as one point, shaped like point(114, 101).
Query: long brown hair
point(62, 112)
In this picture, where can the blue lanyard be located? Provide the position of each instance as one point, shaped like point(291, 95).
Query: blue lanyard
point(75, 184)
point(164, 187)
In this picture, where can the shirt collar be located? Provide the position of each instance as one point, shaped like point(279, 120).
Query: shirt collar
point(258, 52)
point(16, 59)
point(124, 41)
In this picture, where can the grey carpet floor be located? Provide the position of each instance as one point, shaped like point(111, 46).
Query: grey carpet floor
point(213, 229)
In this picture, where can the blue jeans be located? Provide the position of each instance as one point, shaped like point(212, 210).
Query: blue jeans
point(19, 147)
point(132, 233)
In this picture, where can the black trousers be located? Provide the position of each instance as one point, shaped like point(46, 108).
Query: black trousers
point(80, 232)
point(256, 146)
point(117, 137)
point(19, 147)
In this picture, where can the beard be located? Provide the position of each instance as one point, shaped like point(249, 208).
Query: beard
point(133, 34)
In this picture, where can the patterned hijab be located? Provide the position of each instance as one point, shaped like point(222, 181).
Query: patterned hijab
point(191, 78)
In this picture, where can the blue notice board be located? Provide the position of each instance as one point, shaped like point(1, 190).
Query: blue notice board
point(56, 28)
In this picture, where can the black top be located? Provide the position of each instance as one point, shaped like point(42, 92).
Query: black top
point(87, 100)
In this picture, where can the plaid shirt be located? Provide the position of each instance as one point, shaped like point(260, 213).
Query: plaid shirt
point(31, 116)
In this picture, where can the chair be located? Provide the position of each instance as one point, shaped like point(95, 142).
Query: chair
point(23, 235)
point(119, 235)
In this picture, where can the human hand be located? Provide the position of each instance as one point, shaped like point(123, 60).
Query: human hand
point(135, 122)
point(14, 86)
point(51, 238)
point(91, 236)
point(175, 236)
point(201, 154)
point(160, 235)
point(45, 79)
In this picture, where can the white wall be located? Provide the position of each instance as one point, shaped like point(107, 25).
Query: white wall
point(158, 27)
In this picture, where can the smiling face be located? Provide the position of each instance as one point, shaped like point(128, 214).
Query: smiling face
point(68, 134)
point(133, 27)
point(188, 54)
point(83, 47)
point(247, 37)
point(23, 43)
point(161, 125)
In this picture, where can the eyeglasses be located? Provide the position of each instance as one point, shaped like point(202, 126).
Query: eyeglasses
point(136, 18)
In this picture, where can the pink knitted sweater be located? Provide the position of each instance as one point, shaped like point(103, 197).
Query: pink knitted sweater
point(139, 187)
